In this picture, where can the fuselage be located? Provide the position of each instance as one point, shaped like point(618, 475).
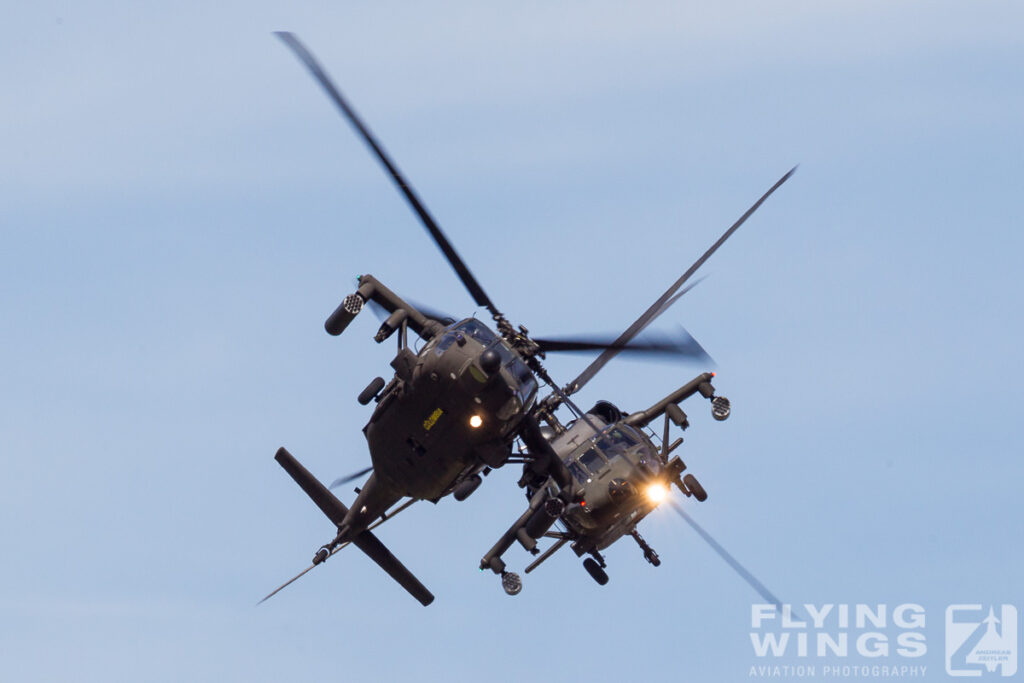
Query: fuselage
point(614, 464)
point(451, 410)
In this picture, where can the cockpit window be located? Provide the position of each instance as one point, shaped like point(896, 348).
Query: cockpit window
point(616, 441)
point(444, 342)
point(507, 354)
point(468, 328)
point(477, 330)
point(578, 473)
point(625, 434)
point(592, 460)
point(525, 378)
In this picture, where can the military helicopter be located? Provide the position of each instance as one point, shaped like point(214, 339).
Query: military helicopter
point(623, 477)
point(453, 410)
point(616, 466)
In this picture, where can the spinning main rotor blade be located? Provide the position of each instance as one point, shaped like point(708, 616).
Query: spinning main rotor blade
point(729, 559)
point(659, 306)
point(684, 346)
point(428, 312)
point(352, 477)
point(475, 290)
point(678, 295)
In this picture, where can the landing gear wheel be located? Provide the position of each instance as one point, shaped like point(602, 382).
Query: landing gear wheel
point(695, 488)
point(595, 571)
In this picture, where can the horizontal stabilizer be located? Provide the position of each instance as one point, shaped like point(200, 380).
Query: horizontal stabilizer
point(324, 499)
point(379, 553)
point(364, 540)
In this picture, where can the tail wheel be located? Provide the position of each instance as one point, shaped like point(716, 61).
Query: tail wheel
point(695, 488)
point(595, 571)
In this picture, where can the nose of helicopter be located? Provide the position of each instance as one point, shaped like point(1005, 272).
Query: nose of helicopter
point(621, 489)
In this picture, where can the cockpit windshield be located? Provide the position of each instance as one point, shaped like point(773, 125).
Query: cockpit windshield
point(592, 461)
point(617, 440)
point(477, 330)
point(472, 328)
point(527, 382)
point(522, 376)
point(611, 443)
point(578, 473)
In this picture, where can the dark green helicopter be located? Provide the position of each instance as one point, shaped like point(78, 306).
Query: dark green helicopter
point(455, 409)
point(619, 474)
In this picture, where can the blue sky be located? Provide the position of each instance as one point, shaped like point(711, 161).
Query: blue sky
point(181, 207)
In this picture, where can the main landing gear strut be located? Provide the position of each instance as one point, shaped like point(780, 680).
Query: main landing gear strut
point(649, 553)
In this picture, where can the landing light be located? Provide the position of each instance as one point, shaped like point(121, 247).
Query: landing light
point(476, 421)
point(657, 492)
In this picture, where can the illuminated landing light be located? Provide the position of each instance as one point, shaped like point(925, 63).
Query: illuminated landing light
point(476, 421)
point(657, 492)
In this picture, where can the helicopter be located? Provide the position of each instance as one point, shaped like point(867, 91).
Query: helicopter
point(622, 476)
point(453, 409)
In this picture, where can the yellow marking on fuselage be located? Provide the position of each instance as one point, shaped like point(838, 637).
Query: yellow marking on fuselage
point(430, 421)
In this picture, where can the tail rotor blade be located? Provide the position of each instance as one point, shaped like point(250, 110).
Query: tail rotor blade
point(729, 559)
point(351, 477)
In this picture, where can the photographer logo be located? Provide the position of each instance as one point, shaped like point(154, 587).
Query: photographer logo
point(981, 641)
